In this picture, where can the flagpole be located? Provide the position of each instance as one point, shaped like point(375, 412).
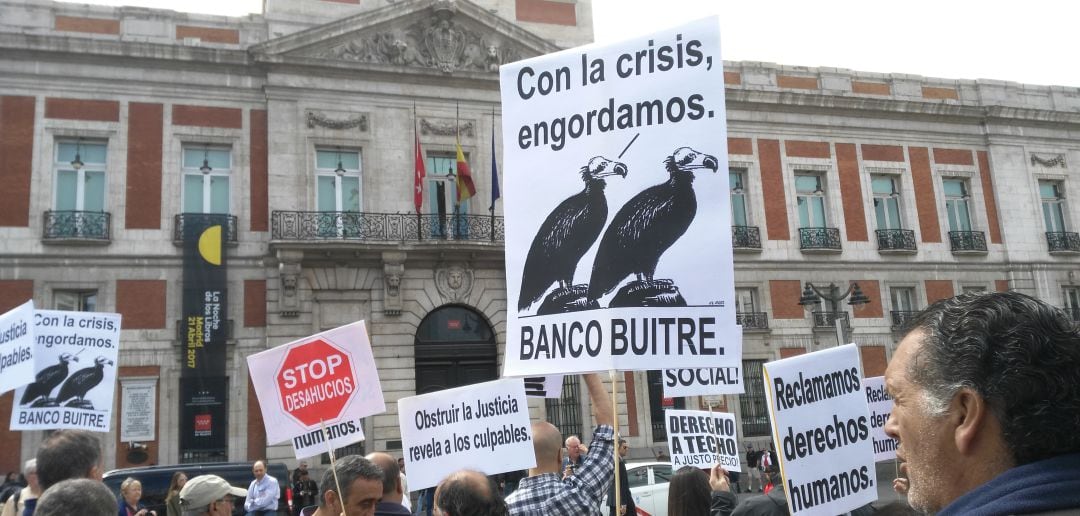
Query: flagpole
point(494, 186)
point(457, 181)
point(416, 140)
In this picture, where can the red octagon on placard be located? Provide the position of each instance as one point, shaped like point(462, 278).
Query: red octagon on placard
point(315, 382)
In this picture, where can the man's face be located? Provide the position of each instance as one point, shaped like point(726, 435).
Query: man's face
point(259, 470)
point(573, 447)
point(923, 438)
point(303, 466)
point(401, 464)
point(624, 449)
point(363, 496)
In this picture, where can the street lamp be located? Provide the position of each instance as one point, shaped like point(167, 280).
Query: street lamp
point(812, 296)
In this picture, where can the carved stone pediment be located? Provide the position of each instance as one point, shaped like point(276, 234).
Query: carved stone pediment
point(442, 36)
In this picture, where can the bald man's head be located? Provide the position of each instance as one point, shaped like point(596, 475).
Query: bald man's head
point(469, 493)
point(392, 491)
point(547, 444)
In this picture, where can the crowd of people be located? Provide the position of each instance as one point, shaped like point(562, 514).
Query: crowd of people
point(987, 402)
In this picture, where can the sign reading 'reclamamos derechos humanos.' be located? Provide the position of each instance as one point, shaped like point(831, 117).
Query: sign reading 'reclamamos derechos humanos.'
point(881, 405)
point(484, 426)
point(75, 383)
point(822, 431)
point(618, 239)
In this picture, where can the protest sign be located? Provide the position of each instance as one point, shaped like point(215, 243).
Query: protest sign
point(544, 386)
point(822, 431)
point(75, 384)
point(618, 254)
point(484, 426)
point(714, 380)
point(326, 379)
point(340, 434)
point(881, 405)
point(17, 347)
point(702, 439)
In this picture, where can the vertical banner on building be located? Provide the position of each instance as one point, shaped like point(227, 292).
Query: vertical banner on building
point(203, 386)
point(618, 253)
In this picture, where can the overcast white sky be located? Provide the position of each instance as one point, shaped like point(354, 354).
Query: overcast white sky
point(1033, 41)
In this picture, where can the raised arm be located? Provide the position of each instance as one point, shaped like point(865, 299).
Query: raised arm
point(601, 400)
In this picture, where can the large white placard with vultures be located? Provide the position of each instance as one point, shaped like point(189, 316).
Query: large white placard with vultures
point(484, 426)
point(881, 405)
point(616, 193)
point(702, 439)
point(17, 347)
point(822, 431)
point(708, 381)
point(316, 387)
point(75, 383)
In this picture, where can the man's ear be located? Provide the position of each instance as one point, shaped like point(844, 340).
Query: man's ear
point(400, 490)
point(969, 414)
point(329, 498)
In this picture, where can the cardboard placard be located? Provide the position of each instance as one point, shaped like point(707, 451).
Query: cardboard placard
point(881, 405)
point(17, 347)
point(702, 439)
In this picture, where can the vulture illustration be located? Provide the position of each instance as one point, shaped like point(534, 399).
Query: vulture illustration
point(569, 231)
point(46, 380)
point(81, 382)
point(648, 224)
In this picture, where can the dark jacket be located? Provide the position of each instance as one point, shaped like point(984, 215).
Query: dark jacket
point(1038, 488)
point(772, 504)
point(624, 486)
point(722, 503)
point(391, 509)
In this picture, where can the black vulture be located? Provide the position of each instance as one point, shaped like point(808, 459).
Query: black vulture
point(46, 380)
point(648, 224)
point(82, 381)
point(569, 231)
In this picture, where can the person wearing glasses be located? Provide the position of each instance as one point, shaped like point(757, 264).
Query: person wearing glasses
point(626, 502)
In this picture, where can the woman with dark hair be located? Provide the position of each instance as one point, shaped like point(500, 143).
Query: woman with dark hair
point(172, 499)
point(692, 492)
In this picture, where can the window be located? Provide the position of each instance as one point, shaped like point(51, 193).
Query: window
point(956, 204)
point(903, 299)
point(755, 415)
point(75, 300)
point(1052, 195)
point(442, 194)
point(746, 300)
point(337, 174)
point(661, 474)
point(967, 289)
point(638, 476)
point(80, 176)
point(206, 179)
point(810, 197)
point(1072, 301)
point(738, 197)
point(886, 202)
point(565, 411)
point(658, 403)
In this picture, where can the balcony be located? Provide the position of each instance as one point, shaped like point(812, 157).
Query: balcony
point(384, 227)
point(827, 320)
point(819, 240)
point(228, 223)
point(1063, 242)
point(77, 227)
point(967, 242)
point(896, 241)
point(752, 321)
point(901, 319)
point(745, 238)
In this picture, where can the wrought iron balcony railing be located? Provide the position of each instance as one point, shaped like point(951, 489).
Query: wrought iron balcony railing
point(901, 318)
point(384, 227)
point(819, 239)
point(1063, 241)
point(896, 240)
point(228, 223)
point(827, 320)
point(967, 241)
point(77, 226)
point(752, 320)
point(745, 237)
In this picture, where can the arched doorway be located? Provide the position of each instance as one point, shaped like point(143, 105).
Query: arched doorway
point(455, 346)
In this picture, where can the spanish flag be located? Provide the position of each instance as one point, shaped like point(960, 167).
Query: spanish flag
point(465, 186)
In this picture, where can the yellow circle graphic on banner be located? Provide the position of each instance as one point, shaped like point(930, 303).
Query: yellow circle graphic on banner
point(210, 245)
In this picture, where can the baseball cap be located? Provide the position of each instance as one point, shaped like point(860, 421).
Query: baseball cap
point(206, 489)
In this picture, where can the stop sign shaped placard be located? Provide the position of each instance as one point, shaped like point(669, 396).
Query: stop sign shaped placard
point(315, 382)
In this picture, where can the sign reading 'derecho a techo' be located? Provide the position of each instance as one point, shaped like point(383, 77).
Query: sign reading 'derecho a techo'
point(326, 381)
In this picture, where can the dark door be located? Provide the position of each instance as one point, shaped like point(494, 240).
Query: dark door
point(455, 346)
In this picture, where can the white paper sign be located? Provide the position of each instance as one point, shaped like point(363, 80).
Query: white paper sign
point(702, 439)
point(703, 382)
point(314, 442)
point(326, 379)
point(881, 405)
point(138, 408)
point(618, 252)
point(822, 424)
point(544, 386)
point(75, 383)
point(484, 426)
point(17, 347)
